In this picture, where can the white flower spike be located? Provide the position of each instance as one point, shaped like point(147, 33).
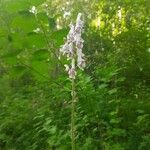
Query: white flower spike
point(73, 47)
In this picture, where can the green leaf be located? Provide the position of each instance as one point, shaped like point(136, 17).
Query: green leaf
point(121, 79)
point(15, 38)
point(25, 23)
point(35, 41)
point(15, 6)
point(115, 120)
point(43, 18)
point(17, 71)
point(40, 70)
point(113, 91)
point(40, 55)
point(58, 37)
point(118, 132)
point(11, 57)
point(52, 23)
point(102, 86)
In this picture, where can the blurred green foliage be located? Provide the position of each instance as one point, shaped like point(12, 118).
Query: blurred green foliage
point(113, 107)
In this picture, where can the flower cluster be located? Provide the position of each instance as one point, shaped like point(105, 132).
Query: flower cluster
point(33, 10)
point(73, 47)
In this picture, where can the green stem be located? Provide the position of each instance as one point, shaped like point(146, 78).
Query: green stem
point(73, 115)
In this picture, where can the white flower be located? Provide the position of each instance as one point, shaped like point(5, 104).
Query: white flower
point(44, 5)
point(79, 24)
point(37, 30)
point(72, 73)
point(66, 14)
point(70, 36)
point(66, 67)
point(33, 10)
point(79, 42)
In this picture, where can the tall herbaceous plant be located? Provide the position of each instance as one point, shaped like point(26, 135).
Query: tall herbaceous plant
point(72, 49)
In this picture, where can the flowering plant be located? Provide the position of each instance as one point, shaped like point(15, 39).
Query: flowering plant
point(73, 48)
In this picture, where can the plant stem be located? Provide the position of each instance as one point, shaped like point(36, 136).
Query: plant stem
point(73, 115)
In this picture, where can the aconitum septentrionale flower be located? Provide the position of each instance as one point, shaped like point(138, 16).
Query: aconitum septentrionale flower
point(73, 48)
